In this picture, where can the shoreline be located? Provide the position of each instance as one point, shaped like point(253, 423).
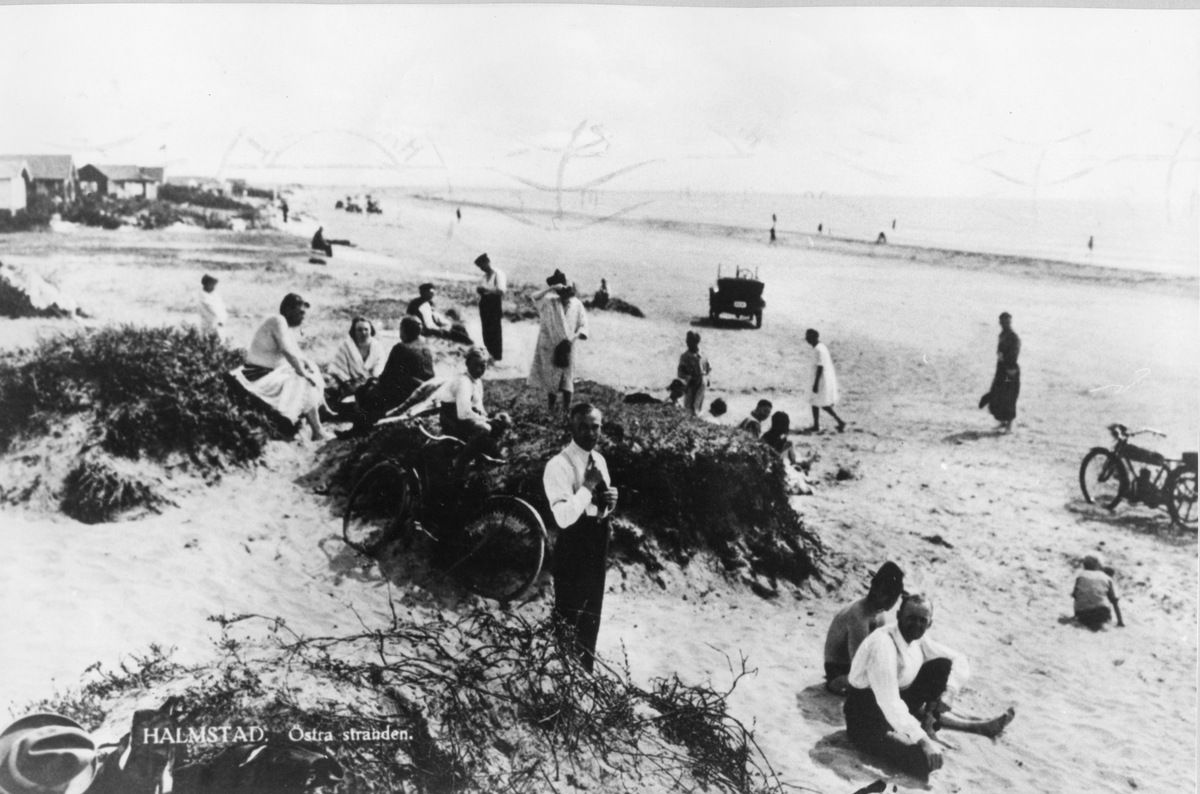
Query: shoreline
point(944, 257)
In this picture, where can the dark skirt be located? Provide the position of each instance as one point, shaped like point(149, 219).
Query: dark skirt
point(491, 312)
point(1006, 387)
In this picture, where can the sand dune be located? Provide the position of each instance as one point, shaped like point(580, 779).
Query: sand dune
point(912, 335)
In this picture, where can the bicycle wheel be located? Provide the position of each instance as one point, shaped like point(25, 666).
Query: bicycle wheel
point(1102, 478)
point(502, 549)
point(1181, 497)
point(379, 507)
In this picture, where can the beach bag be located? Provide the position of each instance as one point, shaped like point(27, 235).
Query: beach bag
point(562, 354)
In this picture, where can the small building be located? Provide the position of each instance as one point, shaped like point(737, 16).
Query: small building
point(15, 185)
point(217, 187)
point(50, 174)
point(120, 181)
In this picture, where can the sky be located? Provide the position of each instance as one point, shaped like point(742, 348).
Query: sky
point(1031, 103)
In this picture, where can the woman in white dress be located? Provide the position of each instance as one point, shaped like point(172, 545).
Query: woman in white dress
point(277, 372)
point(563, 319)
point(824, 383)
point(358, 359)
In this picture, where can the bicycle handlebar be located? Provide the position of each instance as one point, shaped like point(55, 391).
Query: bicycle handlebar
point(1121, 431)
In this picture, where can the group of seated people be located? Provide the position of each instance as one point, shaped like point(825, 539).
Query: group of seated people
point(363, 383)
point(898, 682)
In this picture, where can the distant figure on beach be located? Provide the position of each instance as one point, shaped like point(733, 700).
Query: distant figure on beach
point(893, 224)
point(1093, 587)
point(283, 207)
point(409, 364)
point(359, 358)
point(600, 298)
point(772, 232)
point(213, 315)
point(279, 374)
point(824, 385)
point(458, 214)
point(820, 228)
point(855, 622)
point(752, 424)
point(881, 239)
point(1001, 400)
point(1091, 241)
point(491, 306)
point(563, 322)
point(433, 322)
point(581, 496)
point(319, 243)
point(902, 685)
point(693, 370)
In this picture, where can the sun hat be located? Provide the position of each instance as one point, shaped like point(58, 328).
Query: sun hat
point(46, 754)
point(208, 279)
point(482, 260)
point(557, 277)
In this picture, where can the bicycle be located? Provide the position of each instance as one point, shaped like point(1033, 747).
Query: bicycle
point(1135, 474)
point(494, 543)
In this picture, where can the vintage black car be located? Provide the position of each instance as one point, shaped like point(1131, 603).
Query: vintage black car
point(740, 296)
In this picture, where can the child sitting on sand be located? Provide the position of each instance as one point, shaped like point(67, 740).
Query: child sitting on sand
point(1093, 586)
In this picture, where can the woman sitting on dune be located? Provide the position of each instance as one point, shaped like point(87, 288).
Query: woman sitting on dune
point(358, 359)
point(277, 372)
point(777, 439)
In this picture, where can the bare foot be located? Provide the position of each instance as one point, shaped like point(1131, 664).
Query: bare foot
point(994, 728)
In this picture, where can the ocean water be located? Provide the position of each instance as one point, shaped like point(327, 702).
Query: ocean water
point(1126, 236)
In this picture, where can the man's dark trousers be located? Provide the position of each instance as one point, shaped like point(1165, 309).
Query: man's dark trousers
point(580, 565)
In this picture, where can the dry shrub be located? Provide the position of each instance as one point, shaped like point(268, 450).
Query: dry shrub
point(100, 488)
point(490, 701)
point(685, 485)
point(156, 393)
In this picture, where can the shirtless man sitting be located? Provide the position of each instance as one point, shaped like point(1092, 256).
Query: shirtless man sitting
point(854, 622)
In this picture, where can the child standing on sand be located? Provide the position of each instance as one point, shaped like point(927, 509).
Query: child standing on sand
point(693, 371)
point(1093, 586)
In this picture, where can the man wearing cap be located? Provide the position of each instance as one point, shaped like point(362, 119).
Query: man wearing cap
point(563, 321)
point(212, 309)
point(854, 622)
point(46, 754)
point(433, 322)
point(579, 490)
point(491, 306)
point(279, 374)
point(901, 687)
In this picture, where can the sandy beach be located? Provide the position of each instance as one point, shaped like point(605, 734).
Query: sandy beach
point(993, 527)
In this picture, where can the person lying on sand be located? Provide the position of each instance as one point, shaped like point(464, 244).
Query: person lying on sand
point(855, 622)
point(408, 366)
point(753, 423)
point(433, 322)
point(674, 395)
point(1092, 587)
point(359, 359)
point(279, 374)
point(902, 684)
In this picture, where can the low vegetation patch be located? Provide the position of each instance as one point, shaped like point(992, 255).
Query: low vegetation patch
point(686, 486)
point(485, 702)
point(36, 215)
point(153, 393)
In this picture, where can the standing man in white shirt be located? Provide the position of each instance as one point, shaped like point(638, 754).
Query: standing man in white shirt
point(901, 681)
point(491, 306)
point(213, 316)
point(581, 498)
